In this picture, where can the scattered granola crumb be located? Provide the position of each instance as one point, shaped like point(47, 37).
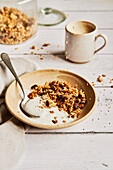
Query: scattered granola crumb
point(93, 84)
point(31, 95)
point(103, 75)
point(54, 121)
point(41, 48)
point(40, 107)
point(41, 58)
point(32, 52)
point(46, 44)
point(35, 53)
point(111, 81)
point(16, 48)
point(67, 15)
point(73, 27)
point(60, 109)
point(99, 79)
point(64, 121)
point(58, 45)
point(25, 53)
point(33, 47)
point(40, 54)
point(112, 86)
point(52, 112)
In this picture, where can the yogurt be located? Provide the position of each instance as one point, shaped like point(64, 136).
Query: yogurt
point(46, 115)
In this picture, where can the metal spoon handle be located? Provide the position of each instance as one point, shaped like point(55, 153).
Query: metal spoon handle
point(5, 58)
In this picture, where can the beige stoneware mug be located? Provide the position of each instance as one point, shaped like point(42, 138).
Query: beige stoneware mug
point(80, 42)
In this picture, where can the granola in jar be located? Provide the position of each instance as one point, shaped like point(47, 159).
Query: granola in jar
point(15, 26)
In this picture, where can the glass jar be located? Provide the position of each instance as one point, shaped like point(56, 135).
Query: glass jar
point(18, 20)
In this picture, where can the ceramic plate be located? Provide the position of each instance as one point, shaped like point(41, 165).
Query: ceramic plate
point(12, 97)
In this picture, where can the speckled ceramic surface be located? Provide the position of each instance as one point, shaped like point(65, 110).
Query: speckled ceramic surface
point(80, 43)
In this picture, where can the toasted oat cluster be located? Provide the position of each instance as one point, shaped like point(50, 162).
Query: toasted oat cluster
point(15, 26)
point(61, 95)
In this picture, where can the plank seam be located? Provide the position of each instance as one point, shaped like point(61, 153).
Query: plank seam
point(70, 133)
point(58, 29)
point(85, 10)
point(62, 53)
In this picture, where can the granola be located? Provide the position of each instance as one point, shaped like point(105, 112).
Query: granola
point(61, 95)
point(15, 26)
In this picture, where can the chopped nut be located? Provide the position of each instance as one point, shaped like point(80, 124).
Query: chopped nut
point(47, 103)
point(54, 121)
point(99, 79)
point(40, 54)
point(51, 112)
point(34, 87)
point(60, 109)
point(64, 121)
point(103, 75)
point(31, 96)
point(46, 44)
point(33, 47)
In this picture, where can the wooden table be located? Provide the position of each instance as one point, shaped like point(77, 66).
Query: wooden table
point(89, 144)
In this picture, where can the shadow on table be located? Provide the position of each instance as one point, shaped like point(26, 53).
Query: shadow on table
point(61, 55)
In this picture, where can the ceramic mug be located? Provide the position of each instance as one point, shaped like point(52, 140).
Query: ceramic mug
point(80, 42)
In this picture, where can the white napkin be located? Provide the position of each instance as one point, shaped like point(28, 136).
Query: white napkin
point(12, 131)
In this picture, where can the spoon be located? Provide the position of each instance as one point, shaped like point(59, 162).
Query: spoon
point(5, 58)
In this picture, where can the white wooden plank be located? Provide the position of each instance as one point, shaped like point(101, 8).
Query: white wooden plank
point(101, 64)
point(55, 38)
point(77, 5)
point(101, 19)
point(65, 152)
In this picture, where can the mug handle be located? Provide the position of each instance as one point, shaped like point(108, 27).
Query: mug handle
point(105, 41)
